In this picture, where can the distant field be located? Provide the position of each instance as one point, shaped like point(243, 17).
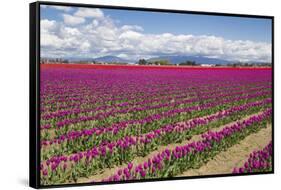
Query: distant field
point(113, 122)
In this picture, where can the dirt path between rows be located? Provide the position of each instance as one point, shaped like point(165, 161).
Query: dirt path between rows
point(137, 160)
point(224, 162)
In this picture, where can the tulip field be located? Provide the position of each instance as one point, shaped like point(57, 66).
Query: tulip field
point(101, 123)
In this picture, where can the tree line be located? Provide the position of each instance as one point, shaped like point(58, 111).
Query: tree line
point(164, 62)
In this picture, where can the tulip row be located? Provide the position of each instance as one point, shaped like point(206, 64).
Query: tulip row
point(108, 155)
point(134, 111)
point(171, 132)
point(174, 95)
point(120, 126)
point(63, 84)
point(101, 91)
point(102, 118)
point(258, 161)
point(102, 98)
point(171, 162)
point(92, 102)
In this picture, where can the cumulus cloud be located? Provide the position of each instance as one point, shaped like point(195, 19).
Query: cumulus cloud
point(72, 20)
point(131, 27)
point(90, 33)
point(89, 13)
point(47, 25)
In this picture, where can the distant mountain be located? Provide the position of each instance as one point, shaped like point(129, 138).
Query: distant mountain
point(77, 59)
point(176, 59)
point(111, 59)
point(104, 59)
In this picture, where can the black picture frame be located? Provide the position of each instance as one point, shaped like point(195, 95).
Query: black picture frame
point(34, 92)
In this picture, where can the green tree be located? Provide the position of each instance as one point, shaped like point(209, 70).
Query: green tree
point(142, 62)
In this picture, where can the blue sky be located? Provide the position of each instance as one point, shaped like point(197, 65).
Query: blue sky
point(234, 28)
point(213, 32)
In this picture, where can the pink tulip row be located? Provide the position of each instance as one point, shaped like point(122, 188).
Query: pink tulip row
point(120, 127)
point(60, 83)
point(71, 136)
point(137, 106)
point(99, 116)
point(143, 101)
point(110, 151)
point(185, 156)
point(258, 161)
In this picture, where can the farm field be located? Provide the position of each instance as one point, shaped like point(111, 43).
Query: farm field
point(110, 122)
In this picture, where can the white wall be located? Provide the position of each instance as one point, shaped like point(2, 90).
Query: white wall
point(14, 92)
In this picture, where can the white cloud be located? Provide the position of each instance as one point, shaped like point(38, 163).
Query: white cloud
point(90, 31)
point(72, 20)
point(50, 40)
point(47, 25)
point(123, 55)
point(85, 46)
point(89, 13)
point(71, 31)
point(95, 23)
point(130, 35)
point(131, 27)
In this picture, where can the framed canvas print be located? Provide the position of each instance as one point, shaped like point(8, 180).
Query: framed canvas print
point(122, 94)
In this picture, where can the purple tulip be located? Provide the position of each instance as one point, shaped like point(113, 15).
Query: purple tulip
point(45, 172)
point(130, 165)
point(143, 173)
